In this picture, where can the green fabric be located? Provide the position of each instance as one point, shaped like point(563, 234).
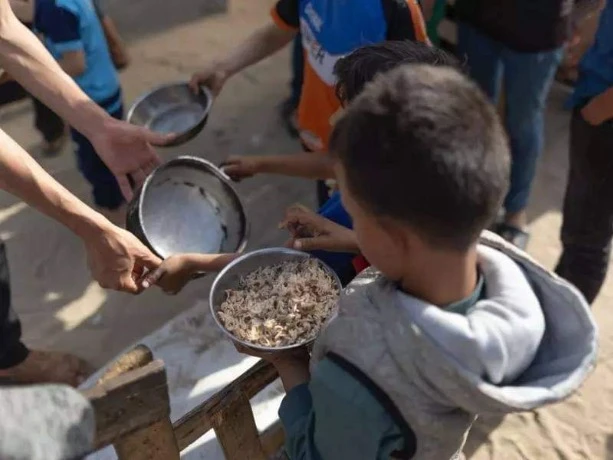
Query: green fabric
point(438, 14)
point(462, 306)
point(336, 416)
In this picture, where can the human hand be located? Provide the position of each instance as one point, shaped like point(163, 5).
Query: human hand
point(240, 167)
point(310, 232)
point(292, 365)
point(127, 151)
point(213, 76)
point(117, 259)
point(597, 111)
point(172, 275)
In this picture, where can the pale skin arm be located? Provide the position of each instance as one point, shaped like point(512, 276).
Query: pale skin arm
point(24, 57)
point(264, 42)
point(116, 258)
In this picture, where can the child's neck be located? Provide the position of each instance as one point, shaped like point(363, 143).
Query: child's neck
point(440, 277)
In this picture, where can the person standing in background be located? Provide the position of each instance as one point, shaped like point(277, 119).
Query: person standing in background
point(51, 127)
point(73, 34)
point(518, 42)
point(587, 226)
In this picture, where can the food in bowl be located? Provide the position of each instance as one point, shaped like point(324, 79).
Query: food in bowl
point(280, 305)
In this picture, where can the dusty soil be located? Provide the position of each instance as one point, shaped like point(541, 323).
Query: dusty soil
point(62, 309)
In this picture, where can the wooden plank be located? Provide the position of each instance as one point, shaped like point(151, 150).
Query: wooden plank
point(235, 428)
point(129, 402)
point(154, 442)
point(138, 357)
point(272, 439)
point(200, 419)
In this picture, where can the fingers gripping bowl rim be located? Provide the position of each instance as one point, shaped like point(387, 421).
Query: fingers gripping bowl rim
point(229, 278)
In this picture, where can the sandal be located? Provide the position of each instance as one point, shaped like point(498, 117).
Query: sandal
point(514, 235)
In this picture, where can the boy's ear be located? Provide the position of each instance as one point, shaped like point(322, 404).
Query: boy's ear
point(401, 234)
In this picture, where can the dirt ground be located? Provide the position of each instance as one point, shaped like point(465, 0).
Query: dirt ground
point(62, 309)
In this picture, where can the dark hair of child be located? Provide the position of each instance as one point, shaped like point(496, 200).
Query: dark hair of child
point(355, 70)
point(422, 145)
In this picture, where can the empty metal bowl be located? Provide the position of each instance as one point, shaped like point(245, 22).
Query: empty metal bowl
point(230, 276)
point(172, 108)
point(188, 205)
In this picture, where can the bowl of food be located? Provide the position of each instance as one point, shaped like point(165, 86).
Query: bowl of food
point(188, 205)
point(274, 299)
point(172, 108)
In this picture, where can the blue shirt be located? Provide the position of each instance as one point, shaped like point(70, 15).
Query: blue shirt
point(596, 67)
point(333, 209)
point(73, 25)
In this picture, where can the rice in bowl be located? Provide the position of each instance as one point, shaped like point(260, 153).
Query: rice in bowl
point(280, 305)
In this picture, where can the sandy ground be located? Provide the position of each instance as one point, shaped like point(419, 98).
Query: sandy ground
point(62, 309)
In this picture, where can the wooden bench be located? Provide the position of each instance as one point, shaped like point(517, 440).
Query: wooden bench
point(132, 409)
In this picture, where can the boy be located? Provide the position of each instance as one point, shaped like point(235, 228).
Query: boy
point(444, 328)
point(587, 226)
point(352, 73)
point(329, 29)
point(73, 35)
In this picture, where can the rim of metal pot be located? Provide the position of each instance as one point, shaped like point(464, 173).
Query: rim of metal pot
point(237, 261)
point(217, 172)
point(142, 97)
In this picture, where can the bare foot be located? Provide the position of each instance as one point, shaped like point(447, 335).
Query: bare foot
point(48, 367)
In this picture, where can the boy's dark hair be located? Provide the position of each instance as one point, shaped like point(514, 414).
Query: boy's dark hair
point(423, 145)
point(360, 67)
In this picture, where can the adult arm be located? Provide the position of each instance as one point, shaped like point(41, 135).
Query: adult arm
point(124, 148)
point(116, 258)
point(264, 42)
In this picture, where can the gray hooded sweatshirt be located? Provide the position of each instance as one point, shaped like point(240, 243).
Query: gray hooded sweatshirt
point(528, 342)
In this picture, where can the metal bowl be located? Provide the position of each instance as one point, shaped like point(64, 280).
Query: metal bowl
point(230, 276)
point(188, 205)
point(172, 108)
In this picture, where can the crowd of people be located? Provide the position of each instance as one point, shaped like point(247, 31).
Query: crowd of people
point(412, 164)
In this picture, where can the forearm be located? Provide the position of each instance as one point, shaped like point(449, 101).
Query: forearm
point(25, 58)
point(21, 176)
point(293, 373)
point(604, 102)
point(261, 44)
point(209, 262)
point(307, 165)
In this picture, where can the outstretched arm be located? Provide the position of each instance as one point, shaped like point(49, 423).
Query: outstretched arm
point(124, 148)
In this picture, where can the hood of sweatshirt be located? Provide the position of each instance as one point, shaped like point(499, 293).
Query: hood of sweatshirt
point(529, 341)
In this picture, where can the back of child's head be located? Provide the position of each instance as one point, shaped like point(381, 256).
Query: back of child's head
point(423, 146)
point(361, 66)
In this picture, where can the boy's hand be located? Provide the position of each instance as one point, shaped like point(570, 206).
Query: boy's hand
point(240, 167)
point(599, 109)
point(172, 275)
point(311, 231)
point(213, 76)
point(292, 365)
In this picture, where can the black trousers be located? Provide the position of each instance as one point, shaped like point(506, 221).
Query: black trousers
point(587, 226)
point(12, 350)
